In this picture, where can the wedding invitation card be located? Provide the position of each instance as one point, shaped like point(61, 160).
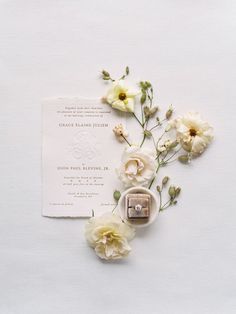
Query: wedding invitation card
point(79, 157)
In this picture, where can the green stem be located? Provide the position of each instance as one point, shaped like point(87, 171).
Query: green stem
point(153, 140)
point(138, 119)
point(141, 106)
point(114, 208)
point(160, 138)
point(158, 124)
point(166, 205)
point(160, 195)
point(158, 167)
point(176, 152)
point(168, 162)
point(155, 126)
point(126, 140)
point(150, 185)
point(144, 137)
point(145, 123)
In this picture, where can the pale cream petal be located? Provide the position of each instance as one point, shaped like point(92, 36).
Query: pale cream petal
point(111, 96)
point(198, 145)
point(110, 236)
point(145, 166)
point(130, 105)
point(119, 105)
point(132, 93)
point(131, 168)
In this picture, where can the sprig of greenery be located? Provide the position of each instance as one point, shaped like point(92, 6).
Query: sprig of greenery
point(107, 77)
point(173, 193)
point(126, 73)
point(147, 109)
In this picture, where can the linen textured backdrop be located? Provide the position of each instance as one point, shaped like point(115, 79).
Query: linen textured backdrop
point(185, 263)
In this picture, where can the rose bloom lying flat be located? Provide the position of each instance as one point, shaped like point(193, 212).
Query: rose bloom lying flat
point(179, 139)
point(109, 236)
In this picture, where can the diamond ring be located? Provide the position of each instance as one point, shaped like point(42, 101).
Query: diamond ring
point(138, 208)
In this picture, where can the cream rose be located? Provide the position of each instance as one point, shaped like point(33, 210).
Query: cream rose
point(192, 132)
point(138, 166)
point(121, 97)
point(109, 236)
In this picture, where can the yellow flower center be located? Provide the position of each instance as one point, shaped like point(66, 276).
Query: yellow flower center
point(192, 132)
point(110, 235)
point(122, 96)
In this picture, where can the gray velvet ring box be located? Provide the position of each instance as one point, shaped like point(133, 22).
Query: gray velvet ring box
point(138, 206)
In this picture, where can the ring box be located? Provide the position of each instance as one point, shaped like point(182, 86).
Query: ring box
point(138, 206)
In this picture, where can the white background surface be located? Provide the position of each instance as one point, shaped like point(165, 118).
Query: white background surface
point(185, 263)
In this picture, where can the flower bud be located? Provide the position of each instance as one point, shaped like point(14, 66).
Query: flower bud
point(172, 191)
point(104, 100)
point(173, 144)
point(146, 111)
point(143, 98)
point(169, 113)
point(158, 188)
point(161, 148)
point(165, 180)
point(148, 84)
point(184, 159)
point(120, 132)
point(105, 73)
point(117, 195)
point(177, 191)
point(153, 110)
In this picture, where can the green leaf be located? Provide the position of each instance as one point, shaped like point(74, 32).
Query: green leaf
point(147, 133)
point(127, 70)
point(184, 159)
point(173, 145)
point(117, 195)
point(105, 73)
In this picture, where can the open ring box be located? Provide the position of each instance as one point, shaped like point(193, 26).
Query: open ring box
point(138, 206)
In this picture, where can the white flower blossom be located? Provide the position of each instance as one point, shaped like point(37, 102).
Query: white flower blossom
point(121, 97)
point(193, 133)
point(109, 236)
point(138, 166)
point(165, 146)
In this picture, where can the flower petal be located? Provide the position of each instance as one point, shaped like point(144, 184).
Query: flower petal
point(130, 105)
point(119, 104)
